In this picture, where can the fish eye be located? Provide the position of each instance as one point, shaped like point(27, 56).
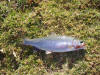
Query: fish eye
point(81, 41)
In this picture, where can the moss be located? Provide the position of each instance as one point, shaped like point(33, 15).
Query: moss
point(77, 18)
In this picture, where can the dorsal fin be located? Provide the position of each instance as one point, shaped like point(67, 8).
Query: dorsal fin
point(52, 34)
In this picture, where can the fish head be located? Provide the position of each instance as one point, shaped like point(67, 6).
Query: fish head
point(78, 44)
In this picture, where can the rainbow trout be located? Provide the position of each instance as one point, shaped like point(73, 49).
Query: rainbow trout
point(56, 43)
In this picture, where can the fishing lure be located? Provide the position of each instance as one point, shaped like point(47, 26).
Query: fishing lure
point(56, 43)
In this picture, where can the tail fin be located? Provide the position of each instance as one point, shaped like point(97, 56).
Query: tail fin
point(26, 42)
point(29, 42)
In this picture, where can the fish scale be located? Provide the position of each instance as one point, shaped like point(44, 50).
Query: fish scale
point(55, 43)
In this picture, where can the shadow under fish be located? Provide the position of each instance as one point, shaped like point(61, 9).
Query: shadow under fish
point(63, 48)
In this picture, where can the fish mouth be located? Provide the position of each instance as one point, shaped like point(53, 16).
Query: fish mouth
point(80, 46)
point(83, 44)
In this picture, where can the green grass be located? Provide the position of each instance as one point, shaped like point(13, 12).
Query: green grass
point(21, 20)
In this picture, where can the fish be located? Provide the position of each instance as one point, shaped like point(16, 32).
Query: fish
point(56, 43)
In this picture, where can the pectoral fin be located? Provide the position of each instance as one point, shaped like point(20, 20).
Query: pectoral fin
point(48, 52)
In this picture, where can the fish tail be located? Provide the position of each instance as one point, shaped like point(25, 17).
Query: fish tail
point(27, 42)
